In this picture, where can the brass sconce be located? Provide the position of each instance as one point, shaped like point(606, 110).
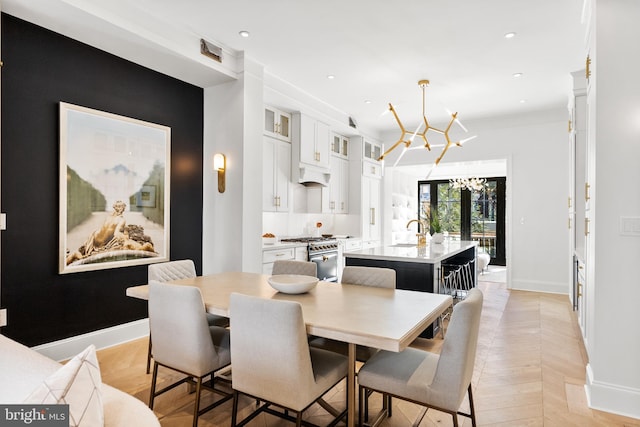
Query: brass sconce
point(220, 164)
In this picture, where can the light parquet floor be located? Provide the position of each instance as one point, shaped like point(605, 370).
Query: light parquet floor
point(529, 371)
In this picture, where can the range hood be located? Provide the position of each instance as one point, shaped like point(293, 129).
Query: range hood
point(313, 176)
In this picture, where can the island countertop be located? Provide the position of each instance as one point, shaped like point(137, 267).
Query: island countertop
point(430, 254)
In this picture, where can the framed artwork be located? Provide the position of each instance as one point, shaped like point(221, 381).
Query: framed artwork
point(114, 190)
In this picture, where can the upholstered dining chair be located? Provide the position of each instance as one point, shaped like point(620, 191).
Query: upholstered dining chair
point(272, 361)
point(174, 270)
point(435, 381)
point(363, 276)
point(369, 276)
point(305, 268)
point(184, 342)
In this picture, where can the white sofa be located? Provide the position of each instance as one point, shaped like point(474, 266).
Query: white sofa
point(22, 370)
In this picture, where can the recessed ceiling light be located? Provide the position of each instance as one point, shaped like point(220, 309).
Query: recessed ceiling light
point(331, 77)
point(509, 35)
point(244, 33)
point(523, 101)
point(517, 75)
point(367, 101)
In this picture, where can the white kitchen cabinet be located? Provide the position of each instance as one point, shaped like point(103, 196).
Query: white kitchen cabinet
point(269, 256)
point(365, 189)
point(371, 224)
point(313, 139)
point(346, 245)
point(277, 124)
point(302, 253)
point(276, 175)
point(372, 150)
point(339, 145)
point(335, 197)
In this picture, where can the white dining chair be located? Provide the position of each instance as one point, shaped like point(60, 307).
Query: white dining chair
point(174, 270)
point(272, 361)
point(305, 268)
point(184, 342)
point(361, 276)
point(428, 379)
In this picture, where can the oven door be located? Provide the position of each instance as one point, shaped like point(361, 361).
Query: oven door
point(327, 263)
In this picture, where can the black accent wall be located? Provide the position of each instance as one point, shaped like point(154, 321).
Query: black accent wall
point(42, 68)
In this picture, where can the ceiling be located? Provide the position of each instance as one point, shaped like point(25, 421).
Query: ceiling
point(377, 50)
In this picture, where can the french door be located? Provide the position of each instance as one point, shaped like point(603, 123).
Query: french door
point(477, 215)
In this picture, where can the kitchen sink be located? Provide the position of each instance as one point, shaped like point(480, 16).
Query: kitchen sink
point(404, 245)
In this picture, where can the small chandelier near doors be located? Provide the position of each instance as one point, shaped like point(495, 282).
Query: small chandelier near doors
point(407, 140)
point(471, 184)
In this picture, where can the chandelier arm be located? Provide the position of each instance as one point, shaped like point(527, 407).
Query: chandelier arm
point(393, 147)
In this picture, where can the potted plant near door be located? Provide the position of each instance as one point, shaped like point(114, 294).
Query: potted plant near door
point(437, 236)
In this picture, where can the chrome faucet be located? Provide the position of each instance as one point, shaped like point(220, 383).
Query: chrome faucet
point(422, 235)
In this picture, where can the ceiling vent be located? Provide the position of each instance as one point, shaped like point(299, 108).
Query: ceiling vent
point(352, 123)
point(210, 50)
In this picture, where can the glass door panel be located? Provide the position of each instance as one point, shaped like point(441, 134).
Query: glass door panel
point(449, 210)
point(484, 209)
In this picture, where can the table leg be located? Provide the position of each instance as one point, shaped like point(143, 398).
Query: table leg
point(351, 387)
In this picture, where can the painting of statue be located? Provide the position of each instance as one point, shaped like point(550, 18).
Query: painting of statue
point(114, 190)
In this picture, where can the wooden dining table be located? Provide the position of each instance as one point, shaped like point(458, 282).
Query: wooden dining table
point(388, 319)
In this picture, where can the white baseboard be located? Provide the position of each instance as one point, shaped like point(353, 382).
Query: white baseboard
point(612, 398)
point(103, 338)
point(538, 286)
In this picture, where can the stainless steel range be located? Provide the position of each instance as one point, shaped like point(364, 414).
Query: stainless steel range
point(324, 252)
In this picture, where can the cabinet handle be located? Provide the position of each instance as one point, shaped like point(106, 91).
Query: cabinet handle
point(373, 170)
point(569, 130)
point(332, 205)
point(579, 290)
point(586, 191)
point(587, 68)
point(342, 205)
point(373, 216)
point(569, 224)
point(586, 226)
point(569, 201)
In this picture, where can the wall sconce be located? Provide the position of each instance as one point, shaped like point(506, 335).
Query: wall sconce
point(220, 164)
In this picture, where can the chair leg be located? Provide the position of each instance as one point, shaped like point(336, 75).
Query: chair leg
point(472, 410)
point(234, 412)
point(154, 379)
point(389, 412)
point(362, 393)
point(149, 355)
point(196, 409)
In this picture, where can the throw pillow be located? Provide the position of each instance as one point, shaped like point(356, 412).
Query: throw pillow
point(78, 384)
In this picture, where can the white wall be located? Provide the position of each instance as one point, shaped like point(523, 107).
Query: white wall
point(614, 337)
point(536, 149)
point(232, 220)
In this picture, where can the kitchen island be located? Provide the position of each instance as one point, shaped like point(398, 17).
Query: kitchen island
point(418, 268)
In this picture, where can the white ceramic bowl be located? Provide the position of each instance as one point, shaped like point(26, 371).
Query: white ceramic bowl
point(292, 283)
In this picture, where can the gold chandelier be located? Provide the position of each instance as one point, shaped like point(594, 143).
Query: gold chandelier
point(407, 141)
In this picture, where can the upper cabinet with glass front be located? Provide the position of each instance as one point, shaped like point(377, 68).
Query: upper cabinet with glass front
point(277, 124)
point(372, 150)
point(339, 145)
